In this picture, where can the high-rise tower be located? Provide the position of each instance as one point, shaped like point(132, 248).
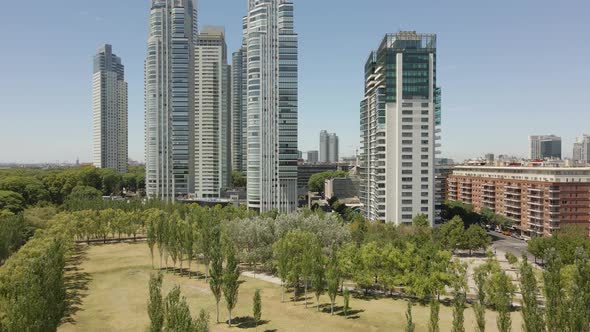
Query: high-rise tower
point(109, 105)
point(400, 115)
point(271, 67)
point(212, 118)
point(169, 99)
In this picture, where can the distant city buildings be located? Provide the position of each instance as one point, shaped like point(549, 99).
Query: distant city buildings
point(400, 115)
point(109, 110)
point(169, 99)
point(270, 45)
point(539, 200)
point(544, 147)
point(328, 147)
point(212, 140)
point(582, 149)
point(313, 157)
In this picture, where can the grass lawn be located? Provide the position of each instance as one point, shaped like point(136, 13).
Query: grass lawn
point(112, 294)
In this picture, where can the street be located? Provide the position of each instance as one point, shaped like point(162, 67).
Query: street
point(502, 244)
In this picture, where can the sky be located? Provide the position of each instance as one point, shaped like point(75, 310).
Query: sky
point(508, 69)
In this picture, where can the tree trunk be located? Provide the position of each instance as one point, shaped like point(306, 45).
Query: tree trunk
point(181, 274)
point(331, 307)
point(282, 291)
point(217, 312)
point(317, 297)
point(229, 318)
point(189, 268)
point(305, 290)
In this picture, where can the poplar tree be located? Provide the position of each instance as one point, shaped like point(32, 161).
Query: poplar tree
point(531, 312)
point(216, 272)
point(257, 307)
point(230, 281)
point(155, 304)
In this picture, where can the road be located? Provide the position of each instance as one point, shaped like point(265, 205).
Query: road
point(503, 244)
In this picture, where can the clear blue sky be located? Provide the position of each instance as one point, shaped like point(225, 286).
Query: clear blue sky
point(507, 68)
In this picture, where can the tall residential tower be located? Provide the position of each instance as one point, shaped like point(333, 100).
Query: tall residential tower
point(212, 114)
point(582, 149)
point(109, 106)
point(328, 147)
point(271, 89)
point(169, 99)
point(400, 115)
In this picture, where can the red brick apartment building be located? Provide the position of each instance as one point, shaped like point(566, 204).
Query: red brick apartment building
point(539, 200)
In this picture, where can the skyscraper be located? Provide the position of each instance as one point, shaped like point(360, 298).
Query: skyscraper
point(328, 147)
point(238, 111)
point(312, 157)
point(399, 118)
point(271, 52)
point(109, 106)
point(582, 149)
point(169, 99)
point(545, 147)
point(212, 114)
point(333, 153)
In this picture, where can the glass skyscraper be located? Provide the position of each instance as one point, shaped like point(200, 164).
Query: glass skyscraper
point(271, 60)
point(169, 99)
point(109, 105)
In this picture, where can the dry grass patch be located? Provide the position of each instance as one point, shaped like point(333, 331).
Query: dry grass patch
point(117, 292)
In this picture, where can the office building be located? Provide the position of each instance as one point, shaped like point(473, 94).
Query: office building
point(544, 147)
point(539, 200)
point(109, 109)
point(272, 98)
point(328, 147)
point(312, 157)
point(582, 149)
point(304, 173)
point(399, 117)
point(212, 114)
point(239, 133)
point(169, 99)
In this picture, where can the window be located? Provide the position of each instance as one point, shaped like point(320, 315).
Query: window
point(424, 171)
point(425, 105)
point(406, 194)
point(407, 104)
point(424, 149)
point(424, 127)
point(425, 120)
point(424, 134)
point(406, 164)
point(407, 127)
point(407, 112)
point(424, 112)
point(406, 157)
point(406, 209)
point(424, 179)
point(424, 186)
point(424, 209)
point(424, 141)
point(407, 150)
point(406, 134)
point(407, 142)
point(406, 119)
point(424, 201)
point(406, 201)
point(406, 216)
point(424, 165)
point(407, 186)
point(424, 156)
point(407, 172)
point(424, 194)
point(406, 179)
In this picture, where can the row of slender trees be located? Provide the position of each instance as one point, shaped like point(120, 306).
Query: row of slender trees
point(32, 282)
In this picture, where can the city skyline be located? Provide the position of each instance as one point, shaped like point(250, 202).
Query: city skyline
point(64, 112)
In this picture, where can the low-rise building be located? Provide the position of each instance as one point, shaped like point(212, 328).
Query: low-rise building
point(539, 200)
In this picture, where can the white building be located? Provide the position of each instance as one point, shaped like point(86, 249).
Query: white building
point(400, 115)
point(212, 156)
point(582, 149)
point(328, 147)
point(109, 108)
point(169, 99)
point(272, 97)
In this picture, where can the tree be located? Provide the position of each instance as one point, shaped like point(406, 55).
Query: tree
point(257, 307)
point(216, 274)
point(333, 280)
point(318, 272)
point(537, 246)
point(188, 244)
point(450, 234)
point(479, 307)
point(151, 231)
point(161, 230)
point(282, 257)
point(201, 324)
point(531, 312)
point(501, 291)
point(434, 314)
point(474, 238)
point(316, 181)
point(238, 179)
point(84, 193)
point(311, 262)
point(11, 201)
point(346, 296)
point(155, 304)
point(177, 313)
point(554, 295)
point(230, 281)
point(459, 285)
point(580, 293)
point(410, 326)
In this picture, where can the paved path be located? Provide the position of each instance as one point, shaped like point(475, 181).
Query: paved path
point(503, 244)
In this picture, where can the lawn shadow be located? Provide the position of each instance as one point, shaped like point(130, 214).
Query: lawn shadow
point(351, 313)
point(76, 283)
point(247, 322)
